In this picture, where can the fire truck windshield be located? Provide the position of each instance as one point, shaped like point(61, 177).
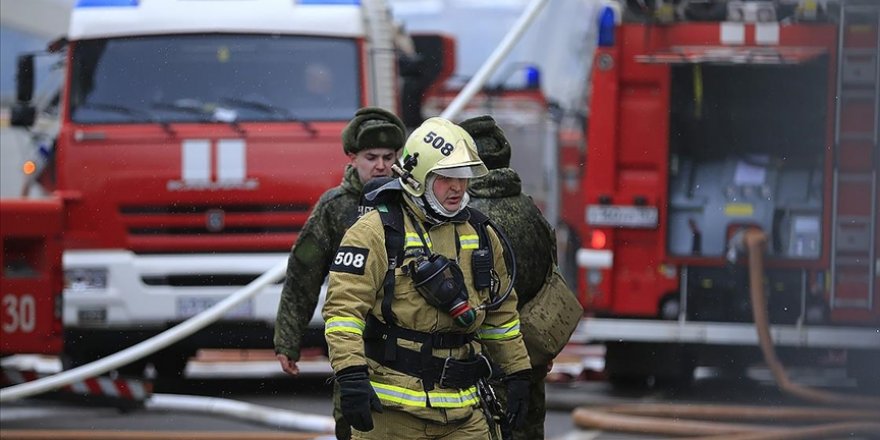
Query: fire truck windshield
point(215, 77)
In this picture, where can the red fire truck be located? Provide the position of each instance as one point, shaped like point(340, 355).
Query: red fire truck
point(194, 139)
point(702, 126)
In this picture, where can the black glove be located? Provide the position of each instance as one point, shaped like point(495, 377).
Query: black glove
point(517, 398)
point(357, 397)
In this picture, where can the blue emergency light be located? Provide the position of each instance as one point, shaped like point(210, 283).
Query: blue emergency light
point(329, 2)
point(606, 27)
point(533, 77)
point(106, 3)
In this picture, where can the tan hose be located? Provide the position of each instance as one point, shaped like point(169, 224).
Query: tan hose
point(832, 430)
point(677, 420)
point(742, 412)
point(604, 421)
point(668, 419)
point(755, 240)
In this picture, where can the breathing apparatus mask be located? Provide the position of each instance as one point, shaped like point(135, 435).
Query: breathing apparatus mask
point(441, 283)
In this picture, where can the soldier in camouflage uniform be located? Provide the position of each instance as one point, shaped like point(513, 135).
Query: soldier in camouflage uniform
point(499, 195)
point(371, 140)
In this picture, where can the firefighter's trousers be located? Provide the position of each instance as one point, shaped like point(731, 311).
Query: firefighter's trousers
point(392, 424)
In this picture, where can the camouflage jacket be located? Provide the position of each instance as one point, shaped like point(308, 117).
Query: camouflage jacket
point(310, 258)
point(499, 195)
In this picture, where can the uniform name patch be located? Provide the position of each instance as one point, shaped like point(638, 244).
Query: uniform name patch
point(350, 260)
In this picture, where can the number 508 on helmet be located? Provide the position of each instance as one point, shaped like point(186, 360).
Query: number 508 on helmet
point(441, 147)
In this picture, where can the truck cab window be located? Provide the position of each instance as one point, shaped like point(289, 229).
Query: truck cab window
point(193, 77)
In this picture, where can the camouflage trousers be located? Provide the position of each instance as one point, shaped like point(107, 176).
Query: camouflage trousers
point(534, 428)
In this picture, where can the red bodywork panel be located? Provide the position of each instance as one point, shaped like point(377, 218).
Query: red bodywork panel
point(31, 277)
point(628, 158)
point(572, 158)
point(124, 185)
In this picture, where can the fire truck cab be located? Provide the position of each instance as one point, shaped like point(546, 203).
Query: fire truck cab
point(703, 126)
point(194, 139)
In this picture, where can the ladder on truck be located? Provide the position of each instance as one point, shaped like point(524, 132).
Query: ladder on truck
point(856, 159)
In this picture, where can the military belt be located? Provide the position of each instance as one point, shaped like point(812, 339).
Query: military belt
point(447, 372)
point(376, 329)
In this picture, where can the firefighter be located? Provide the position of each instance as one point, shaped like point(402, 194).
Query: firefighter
point(371, 140)
point(499, 195)
point(415, 294)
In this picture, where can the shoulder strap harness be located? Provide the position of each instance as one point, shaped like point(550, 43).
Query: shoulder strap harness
point(388, 332)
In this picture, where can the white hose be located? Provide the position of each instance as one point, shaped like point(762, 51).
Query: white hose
point(275, 417)
point(147, 347)
point(488, 68)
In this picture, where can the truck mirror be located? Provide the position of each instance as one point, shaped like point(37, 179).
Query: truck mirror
point(24, 78)
point(22, 115)
point(434, 64)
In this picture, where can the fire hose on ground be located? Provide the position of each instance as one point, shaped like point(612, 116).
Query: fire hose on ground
point(682, 420)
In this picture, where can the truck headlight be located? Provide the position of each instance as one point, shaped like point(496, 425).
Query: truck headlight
point(82, 280)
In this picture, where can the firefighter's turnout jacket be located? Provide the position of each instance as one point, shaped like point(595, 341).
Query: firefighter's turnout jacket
point(356, 292)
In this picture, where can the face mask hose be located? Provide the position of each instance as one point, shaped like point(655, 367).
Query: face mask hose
point(495, 301)
point(441, 283)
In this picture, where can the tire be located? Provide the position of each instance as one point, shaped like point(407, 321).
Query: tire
point(633, 365)
point(629, 381)
point(861, 365)
point(170, 365)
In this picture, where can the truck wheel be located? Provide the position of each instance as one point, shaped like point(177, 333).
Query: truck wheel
point(170, 365)
point(622, 368)
point(71, 359)
point(862, 365)
point(629, 365)
point(623, 381)
point(135, 368)
point(682, 378)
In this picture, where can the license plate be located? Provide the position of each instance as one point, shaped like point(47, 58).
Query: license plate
point(189, 306)
point(623, 216)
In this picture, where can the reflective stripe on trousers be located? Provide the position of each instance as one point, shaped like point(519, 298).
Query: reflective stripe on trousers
point(439, 399)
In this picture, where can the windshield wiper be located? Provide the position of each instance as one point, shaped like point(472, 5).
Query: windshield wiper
point(281, 113)
point(195, 107)
point(130, 111)
point(192, 108)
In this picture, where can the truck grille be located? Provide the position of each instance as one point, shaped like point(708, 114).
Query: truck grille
point(213, 228)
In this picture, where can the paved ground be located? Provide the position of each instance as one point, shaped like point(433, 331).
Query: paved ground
point(256, 380)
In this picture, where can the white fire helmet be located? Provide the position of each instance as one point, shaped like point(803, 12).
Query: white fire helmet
point(443, 148)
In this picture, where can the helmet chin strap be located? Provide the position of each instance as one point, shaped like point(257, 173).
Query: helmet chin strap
point(436, 205)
